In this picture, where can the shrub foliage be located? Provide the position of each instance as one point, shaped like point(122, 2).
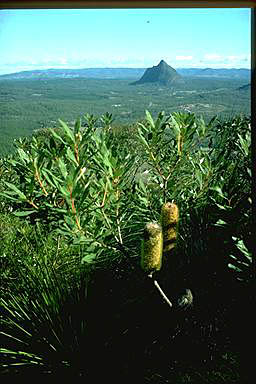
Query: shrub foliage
point(90, 189)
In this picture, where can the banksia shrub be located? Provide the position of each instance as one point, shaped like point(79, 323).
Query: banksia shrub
point(169, 222)
point(152, 247)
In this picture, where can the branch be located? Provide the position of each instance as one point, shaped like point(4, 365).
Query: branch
point(160, 290)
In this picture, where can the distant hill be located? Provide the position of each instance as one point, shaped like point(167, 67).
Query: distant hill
point(96, 73)
point(162, 74)
point(126, 73)
point(224, 72)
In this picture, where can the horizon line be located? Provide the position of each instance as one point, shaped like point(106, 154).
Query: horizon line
point(83, 68)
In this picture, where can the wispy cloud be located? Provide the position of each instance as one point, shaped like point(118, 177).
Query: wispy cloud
point(62, 61)
point(239, 58)
point(82, 60)
point(212, 56)
point(183, 58)
point(232, 58)
point(215, 60)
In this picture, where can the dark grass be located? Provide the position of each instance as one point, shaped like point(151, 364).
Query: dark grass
point(131, 335)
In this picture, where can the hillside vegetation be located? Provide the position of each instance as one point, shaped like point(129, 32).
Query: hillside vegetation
point(74, 202)
point(28, 105)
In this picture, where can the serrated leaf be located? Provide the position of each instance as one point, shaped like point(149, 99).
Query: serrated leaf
point(143, 127)
point(159, 120)
point(47, 174)
point(57, 136)
point(47, 171)
point(149, 118)
point(67, 130)
point(63, 168)
point(218, 190)
point(64, 191)
point(243, 144)
point(231, 266)
point(71, 156)
point(9, 196)
point(221, 206)
point(143, 140)
point(199, 178)
point(142, 186)
point(77, 126)
point(18, 192)
point(242, 248)
point(89, 258)
point(23, 155)
point(175, 126)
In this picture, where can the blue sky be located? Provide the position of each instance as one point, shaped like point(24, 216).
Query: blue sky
point(184, 38)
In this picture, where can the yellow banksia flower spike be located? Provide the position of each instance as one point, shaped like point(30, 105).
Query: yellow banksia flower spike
point(169, 222)
point(152, 247)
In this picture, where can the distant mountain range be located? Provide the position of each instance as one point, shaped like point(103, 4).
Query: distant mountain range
point(162, 74)
point(127, 73)
point(238, 73)
point(95, 73)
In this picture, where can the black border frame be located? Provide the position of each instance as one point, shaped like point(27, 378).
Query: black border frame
point(248, 362)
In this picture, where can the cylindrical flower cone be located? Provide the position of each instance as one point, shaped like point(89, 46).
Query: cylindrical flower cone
point(169, 222)
point(152, 247)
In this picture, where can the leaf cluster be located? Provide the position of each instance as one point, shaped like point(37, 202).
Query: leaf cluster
point(84, 195)
point(78, 182)
point(98, 187)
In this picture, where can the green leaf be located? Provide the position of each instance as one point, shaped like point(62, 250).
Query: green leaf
point(231, 266)
point(150, 119)
point(17, 191)
point(220, 223)
point(67, 130)
point(71, 156)
point(65, 192)
point(243, 145)
point(48, 178)
point(221, 206)
point(175, 126)
point(143, 127)
point(63, 168)
point(108, 165)
point(52, 144)
point(77, 126)
point(90, 258)
point(199, 178)
point(212, 121)
point(24, 213)
point(143, 140)
point(23, 155)
point(9, 197)
point(57, 136)
point(241, 246)
point(218, 190)
point(51, 178)
point(142, 186)
point(118, 173)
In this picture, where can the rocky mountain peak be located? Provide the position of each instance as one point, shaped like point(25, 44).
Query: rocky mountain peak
point(163, 74)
